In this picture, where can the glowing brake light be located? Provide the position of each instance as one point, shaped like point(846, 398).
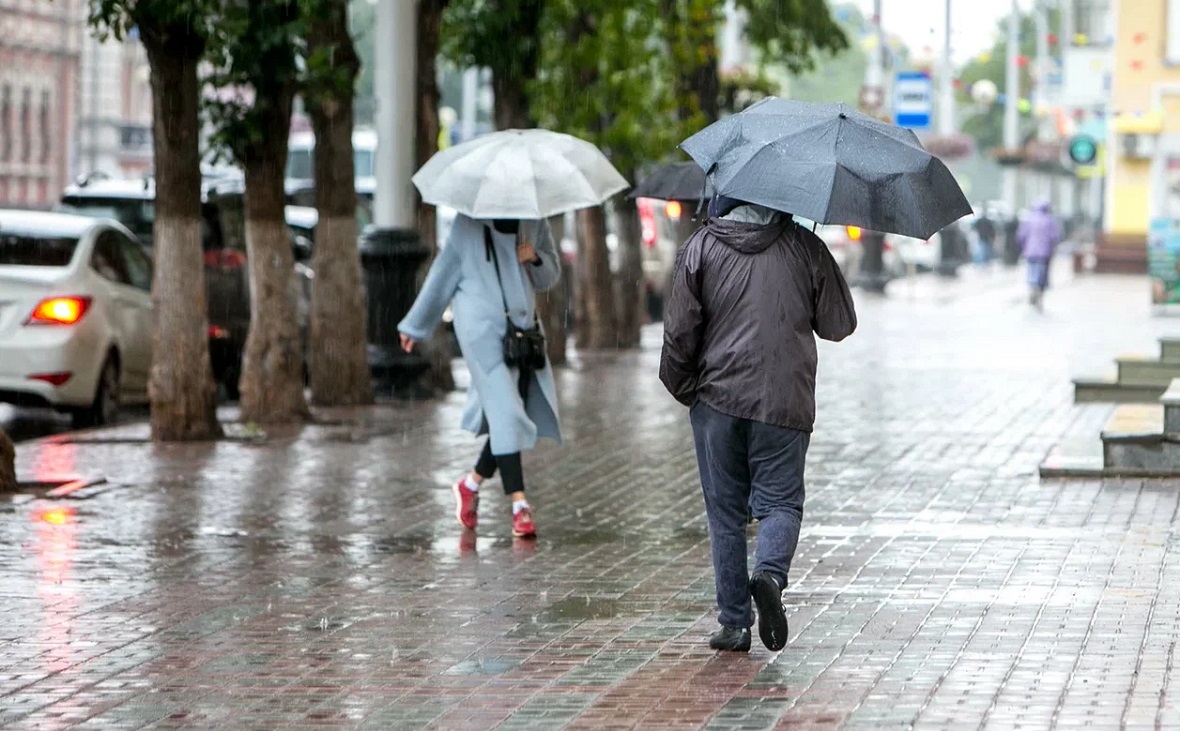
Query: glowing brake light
point(853, 233)
point(225, 259)
point(59, 311)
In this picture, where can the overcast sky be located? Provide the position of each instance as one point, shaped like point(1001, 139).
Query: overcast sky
point(920, 23)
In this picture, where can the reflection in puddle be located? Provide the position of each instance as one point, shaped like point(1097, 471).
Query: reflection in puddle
point(55, 544)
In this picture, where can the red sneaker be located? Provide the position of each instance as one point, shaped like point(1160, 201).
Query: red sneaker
point(523, 525)
point(466, 505)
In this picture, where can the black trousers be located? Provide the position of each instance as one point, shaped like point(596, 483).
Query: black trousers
point(511, 471)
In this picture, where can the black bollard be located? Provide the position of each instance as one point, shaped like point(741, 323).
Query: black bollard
point(390, 261)
point(872, 264)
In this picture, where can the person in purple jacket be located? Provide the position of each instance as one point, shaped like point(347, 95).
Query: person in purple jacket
point(1038, 235)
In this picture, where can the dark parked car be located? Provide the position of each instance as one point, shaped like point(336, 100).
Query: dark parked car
point(223, 240)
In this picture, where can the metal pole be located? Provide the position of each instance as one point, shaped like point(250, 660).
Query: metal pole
point(470, 102)
point(872, 270)
point(393, 80)
point(946, 111)
point(1011, 100)
point(391, 249)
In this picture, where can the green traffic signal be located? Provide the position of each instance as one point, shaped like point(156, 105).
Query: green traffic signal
point(1083, 150)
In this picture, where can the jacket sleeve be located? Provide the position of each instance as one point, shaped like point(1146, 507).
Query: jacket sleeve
point(437, 292)
point(684, 326)
point(546, 273)
point(835, 314)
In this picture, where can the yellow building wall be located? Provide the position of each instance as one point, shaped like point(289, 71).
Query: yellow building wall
point(1138, 67)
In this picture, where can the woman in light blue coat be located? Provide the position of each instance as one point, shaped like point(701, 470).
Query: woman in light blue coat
point(465, 276)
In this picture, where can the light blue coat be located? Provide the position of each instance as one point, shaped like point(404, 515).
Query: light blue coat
point(463, 276)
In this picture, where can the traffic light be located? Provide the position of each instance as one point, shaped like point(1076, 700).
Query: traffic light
point(1083, 150)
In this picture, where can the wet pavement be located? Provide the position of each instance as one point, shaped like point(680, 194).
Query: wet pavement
point(316, 579)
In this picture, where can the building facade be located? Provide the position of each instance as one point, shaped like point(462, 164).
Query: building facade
point(40, 46)
point(114, 127)
point(1143, 139)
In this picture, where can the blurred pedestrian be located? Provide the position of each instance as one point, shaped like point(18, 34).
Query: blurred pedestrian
point(1038, 236)
point(985, 230)
point(751, 290)
point(489, 271)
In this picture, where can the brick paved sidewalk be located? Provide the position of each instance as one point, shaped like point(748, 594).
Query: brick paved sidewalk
point(317, 580)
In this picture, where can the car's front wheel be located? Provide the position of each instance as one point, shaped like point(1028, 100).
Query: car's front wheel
point(104, 409)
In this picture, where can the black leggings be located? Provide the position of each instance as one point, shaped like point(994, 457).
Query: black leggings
point(511, 472)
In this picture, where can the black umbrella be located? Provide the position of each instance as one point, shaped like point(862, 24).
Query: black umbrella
point(675, 181)
point(831, 164)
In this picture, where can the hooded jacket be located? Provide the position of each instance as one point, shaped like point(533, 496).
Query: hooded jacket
point(1039, 233)
point(746, 303)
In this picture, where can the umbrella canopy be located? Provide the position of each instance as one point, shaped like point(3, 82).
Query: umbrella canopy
point(525, 174)
point(831, 164)
point(676, 181)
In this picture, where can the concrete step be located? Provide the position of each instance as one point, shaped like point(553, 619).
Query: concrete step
point(1170, 350)
point(1109, 390)
point(1134, 440)
point(1138, 440)
point(1171, 403)
point(1146, 371)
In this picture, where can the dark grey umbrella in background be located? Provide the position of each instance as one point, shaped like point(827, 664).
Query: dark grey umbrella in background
point(831, 164)
point(675, 181)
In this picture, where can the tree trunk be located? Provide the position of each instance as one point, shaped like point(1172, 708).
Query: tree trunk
point(181, 387)
point(553, 306)
point(511, 107)
point(272, 372)
point(512, 104)
point(597, 322)
point(430, 12)
point(337, 357)
point(706, 82)
point(631, 278)
point(7, 464)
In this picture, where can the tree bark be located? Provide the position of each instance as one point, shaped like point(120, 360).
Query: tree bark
point(511, 108)
point(597, 322)
point(430, 13)
point(512, 104)
point(272, 371)
point(7, 464)
point(631, 277)
point(338, 358)
point(181, 388)
point(553, 306)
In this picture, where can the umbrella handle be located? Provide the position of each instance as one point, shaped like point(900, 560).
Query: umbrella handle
point(704, 187)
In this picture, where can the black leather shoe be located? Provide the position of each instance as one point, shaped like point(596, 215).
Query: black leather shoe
point(736, 639)
point(772, 617)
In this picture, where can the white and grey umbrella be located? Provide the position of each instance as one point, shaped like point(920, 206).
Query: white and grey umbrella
point(525, 174)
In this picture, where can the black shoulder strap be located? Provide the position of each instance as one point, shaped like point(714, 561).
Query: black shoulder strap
point(490, 247)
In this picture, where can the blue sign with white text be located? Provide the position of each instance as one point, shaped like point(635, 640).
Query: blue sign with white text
point(913, 100)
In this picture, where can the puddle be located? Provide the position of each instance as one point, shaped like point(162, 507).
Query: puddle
point(400, 545)
point(483, 666)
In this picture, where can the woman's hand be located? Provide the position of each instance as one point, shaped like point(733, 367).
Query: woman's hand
point(407, 342)
point(525, 253)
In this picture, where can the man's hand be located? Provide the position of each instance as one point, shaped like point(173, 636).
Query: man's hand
point(407, 342)
point(525, 253)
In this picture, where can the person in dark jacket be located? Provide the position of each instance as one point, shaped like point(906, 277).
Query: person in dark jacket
point(751, 290)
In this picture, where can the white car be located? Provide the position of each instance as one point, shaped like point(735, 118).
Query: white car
point(75, 314)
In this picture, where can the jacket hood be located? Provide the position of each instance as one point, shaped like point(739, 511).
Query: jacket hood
point(748, 238)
